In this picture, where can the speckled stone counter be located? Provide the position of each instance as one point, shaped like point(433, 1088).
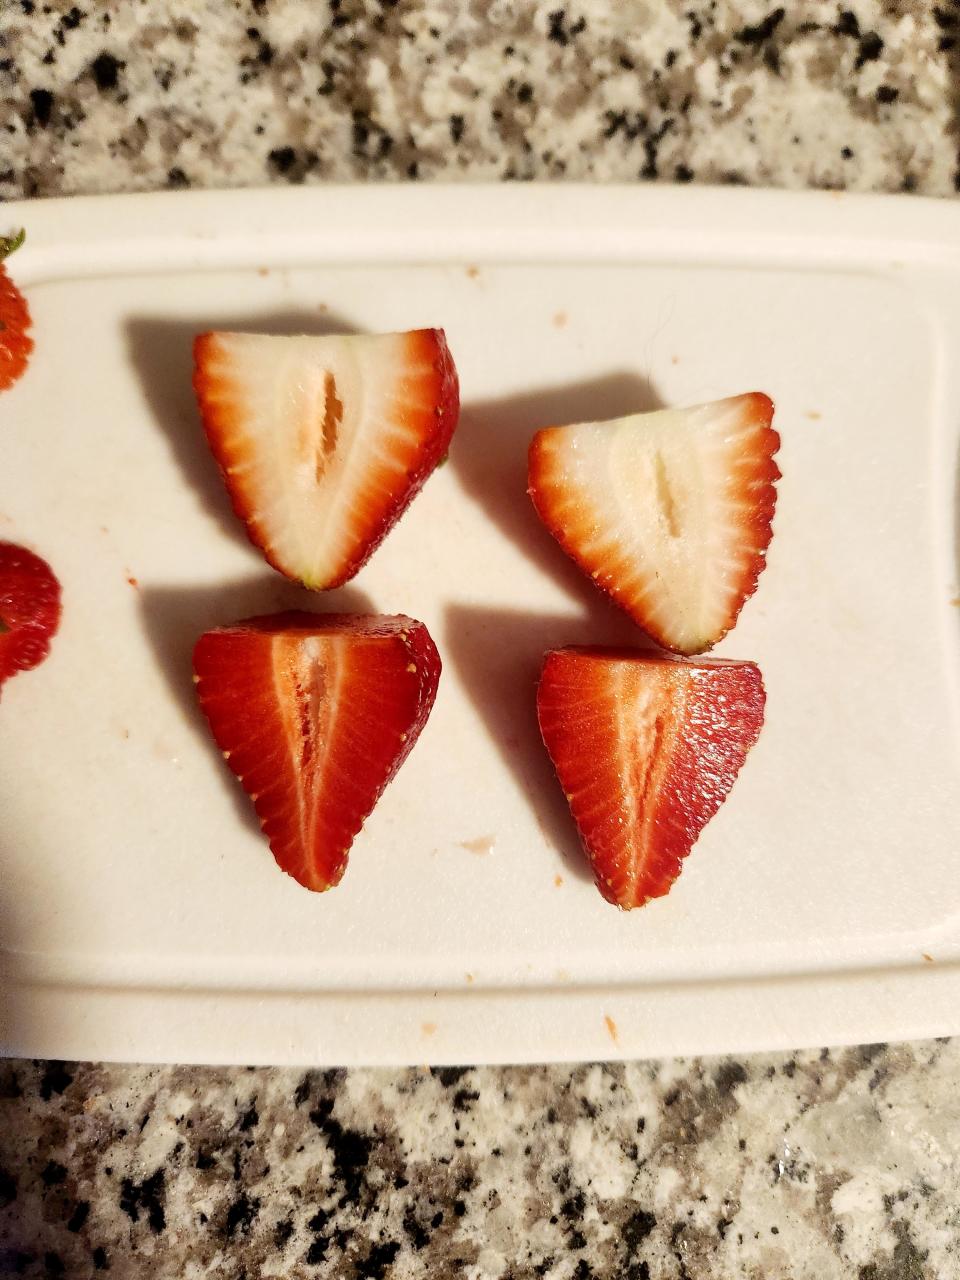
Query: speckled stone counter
point(134, 95)
point(787, 1167)
point(823, 1164)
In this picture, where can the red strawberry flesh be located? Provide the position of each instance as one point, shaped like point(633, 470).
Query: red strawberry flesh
point(646, 749)
point(15, 341)
point(29, 609)
point(315, 714)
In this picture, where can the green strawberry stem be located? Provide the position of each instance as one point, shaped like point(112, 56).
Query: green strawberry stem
point(10, 244)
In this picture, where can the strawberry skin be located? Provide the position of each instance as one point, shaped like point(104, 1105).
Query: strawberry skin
point(15, 341)
point(646, 749)
point(669, 512)
point(29, 609)
point(315, 713)
point(324, 441)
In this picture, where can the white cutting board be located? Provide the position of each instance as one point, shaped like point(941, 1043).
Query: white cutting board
point(141, 913)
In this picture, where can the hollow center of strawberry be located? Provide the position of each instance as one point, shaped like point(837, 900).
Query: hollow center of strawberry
point(332, 417)
point(665, 497)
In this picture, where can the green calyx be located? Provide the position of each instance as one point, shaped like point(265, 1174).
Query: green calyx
point(10, 244)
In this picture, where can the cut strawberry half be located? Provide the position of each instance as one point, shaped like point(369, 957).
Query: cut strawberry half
point(15, 341)
point(646, 749)
point(669, 512)
point(315, 714)
point(29, 609)
point(323, 441)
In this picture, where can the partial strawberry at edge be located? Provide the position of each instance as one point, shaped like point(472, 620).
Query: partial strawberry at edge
point(315, 714)
point(324, 441)
point(669, 513)
point(646, 750)
point(15, 341)
point(29, 609)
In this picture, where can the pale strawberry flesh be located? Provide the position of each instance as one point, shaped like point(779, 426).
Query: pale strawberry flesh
point(646, 749)
point(669, 513)
point(324, 441)
point(315, 714)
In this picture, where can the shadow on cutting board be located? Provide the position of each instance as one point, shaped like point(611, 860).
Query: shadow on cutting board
point(498, 654)
point(498, 651)
point(15, 1031)
point(489, 455)
point(174, 618)
point(161, 352)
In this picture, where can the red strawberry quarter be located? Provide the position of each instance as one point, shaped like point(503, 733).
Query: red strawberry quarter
point(29, 609)
point(669, 513)
point(646, 749)
point(315, 714)
point(15, 341)
point(324, 441)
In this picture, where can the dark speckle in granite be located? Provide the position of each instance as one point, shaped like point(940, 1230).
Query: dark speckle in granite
point(241, 1214)
point(763, 30)
point(55, 1080)
point(79, 1216)
point(42, 103)
point(146, 1197)
point(105, 69)
point(282, 159)
point(53, 1174)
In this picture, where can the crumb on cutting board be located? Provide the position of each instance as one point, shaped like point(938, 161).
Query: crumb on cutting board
point(480, 845)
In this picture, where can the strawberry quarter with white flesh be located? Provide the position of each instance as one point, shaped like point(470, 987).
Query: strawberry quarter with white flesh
point(669, 512)
point(646, 749)
point(324, 441)
point(315, 714)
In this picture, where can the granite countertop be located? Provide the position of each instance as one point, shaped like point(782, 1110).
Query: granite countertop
point(820, 1164)
point(132, 96)
point(825, 1163)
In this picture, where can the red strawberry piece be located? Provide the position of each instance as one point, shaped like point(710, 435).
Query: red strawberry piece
point(315, 714)
point(15, 341)
point(29, 609)
point(669, 512)
point(324, 441)
point(646, 749)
